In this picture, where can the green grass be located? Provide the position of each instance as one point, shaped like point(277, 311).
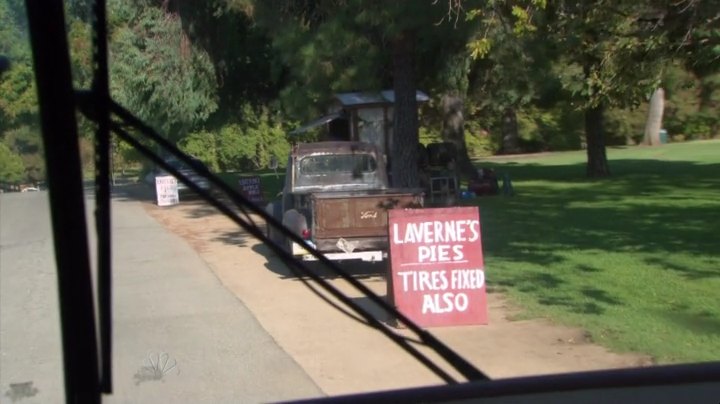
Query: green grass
point(633, 259)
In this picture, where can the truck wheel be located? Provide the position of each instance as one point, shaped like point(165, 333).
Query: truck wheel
point(296, 222)
point(275, 210)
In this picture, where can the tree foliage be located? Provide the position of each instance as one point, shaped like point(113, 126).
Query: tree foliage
point(12, 169)
point(156, 72)
point(325, 47)
point(18, 105)
point(248, 144)
point(590, 56)
point(224, 77)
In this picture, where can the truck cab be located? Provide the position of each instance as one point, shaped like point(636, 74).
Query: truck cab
point(336, 197)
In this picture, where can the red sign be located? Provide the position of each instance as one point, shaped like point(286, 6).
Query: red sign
point(251, 188)
point(437, 270)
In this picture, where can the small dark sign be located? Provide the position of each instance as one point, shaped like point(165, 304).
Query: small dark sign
point(251, 188)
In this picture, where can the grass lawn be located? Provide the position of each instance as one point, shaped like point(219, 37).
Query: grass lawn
point(633, 259)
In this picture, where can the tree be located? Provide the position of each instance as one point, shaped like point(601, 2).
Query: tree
point(444, 67)
point(13, 30)
point(25, 141)
point(18, 102)
point(614, 55)
point(654, 119)
point(19, 132)
point(345, 45)
point(247, 68)
point(324, 48)
point(156, 72)
point(694, 36)
point(11, 165)
point(611, 52)
point(511, 63)
point(405, 121)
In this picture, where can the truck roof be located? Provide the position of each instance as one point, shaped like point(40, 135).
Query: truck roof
point(334, 147)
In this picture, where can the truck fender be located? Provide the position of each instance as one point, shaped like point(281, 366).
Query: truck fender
point(295, 221)
point(273, 209)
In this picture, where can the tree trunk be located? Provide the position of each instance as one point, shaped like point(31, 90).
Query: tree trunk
point(654, 119)
point(454, 132)
point(404, 153)
point(510, 132)
point(597, 164)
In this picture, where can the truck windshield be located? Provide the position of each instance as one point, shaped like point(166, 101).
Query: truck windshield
point(338, 163)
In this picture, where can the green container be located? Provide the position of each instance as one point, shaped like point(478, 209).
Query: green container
point(663, 136)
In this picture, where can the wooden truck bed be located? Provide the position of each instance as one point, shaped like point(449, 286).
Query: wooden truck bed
point(360, 216)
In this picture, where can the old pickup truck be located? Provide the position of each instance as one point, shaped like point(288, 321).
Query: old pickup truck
point(336, 197)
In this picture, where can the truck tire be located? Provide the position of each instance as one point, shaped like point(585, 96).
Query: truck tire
point(296, 222)
point(275, 210)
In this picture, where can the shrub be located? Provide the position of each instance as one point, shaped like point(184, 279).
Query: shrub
point(202, 145)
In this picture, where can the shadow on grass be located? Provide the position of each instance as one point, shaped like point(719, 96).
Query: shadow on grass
point(554, 291)
point(599, 296)
point(625, 171)
point(687, 272)
point(647, 206)
point(588, 268)
point(533, 281)
point(646, 212)
point(699, 323)
point(577, 307)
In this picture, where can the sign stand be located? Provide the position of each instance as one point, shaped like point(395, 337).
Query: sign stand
point(166, 190)
point(274, 165)
point(390, 296)
point(251, 188)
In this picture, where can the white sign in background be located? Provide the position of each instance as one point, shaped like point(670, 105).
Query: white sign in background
point(166, 189)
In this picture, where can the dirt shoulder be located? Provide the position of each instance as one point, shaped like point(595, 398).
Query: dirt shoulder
point(342, 356)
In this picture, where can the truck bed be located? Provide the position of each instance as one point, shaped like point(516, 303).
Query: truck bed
point(359, 215)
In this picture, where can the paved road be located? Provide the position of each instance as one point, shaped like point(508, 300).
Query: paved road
point(167, 304)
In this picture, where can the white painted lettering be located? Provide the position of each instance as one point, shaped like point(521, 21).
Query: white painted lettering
point(428, 304)
point(475, 230)
point(437, 232)
point(405, 276)
point(461, 230)
point(443, 253)
point(439, 303)
point(396, 234)
point(427, 236)
point(458, 250)
point(425, 253)
point(461, 302)
point(413, 233)
point(467, 279)
point(424, 280)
